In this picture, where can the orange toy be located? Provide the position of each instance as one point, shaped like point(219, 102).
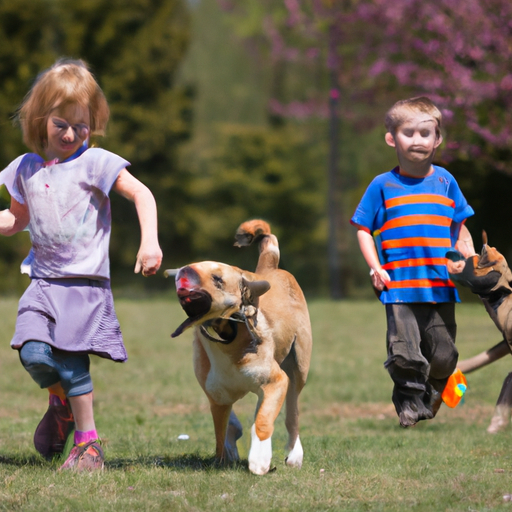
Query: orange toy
point(454, 389)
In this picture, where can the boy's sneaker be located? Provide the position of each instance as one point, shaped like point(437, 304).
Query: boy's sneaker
point(53, 430)
point(407, 419)
point(435, 402)
point(411, 413)
point(85, 457)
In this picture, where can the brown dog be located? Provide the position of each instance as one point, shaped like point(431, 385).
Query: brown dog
point(488, 275)
point(252, 334)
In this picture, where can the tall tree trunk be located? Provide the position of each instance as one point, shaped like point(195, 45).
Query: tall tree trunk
point(333, 207)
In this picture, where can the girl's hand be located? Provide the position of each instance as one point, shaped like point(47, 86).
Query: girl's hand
point(148, 260)
point(380, 278)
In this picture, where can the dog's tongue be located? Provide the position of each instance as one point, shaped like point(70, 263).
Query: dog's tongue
point(185, 325)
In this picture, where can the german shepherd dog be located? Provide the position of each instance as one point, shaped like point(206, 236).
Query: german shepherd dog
point(252, 333)
point(488, 275)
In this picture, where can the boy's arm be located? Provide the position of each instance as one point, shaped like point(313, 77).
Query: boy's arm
point(149, 257)
point(465, 242)
point(465, 246)
point(14, 219)
point(380, 277)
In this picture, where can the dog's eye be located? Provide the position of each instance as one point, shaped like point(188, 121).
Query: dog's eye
point(217, 281)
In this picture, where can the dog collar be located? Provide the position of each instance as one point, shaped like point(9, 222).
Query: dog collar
point(217, 339)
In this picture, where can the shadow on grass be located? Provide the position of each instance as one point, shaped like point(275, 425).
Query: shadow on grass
point(23, 461)
point(192, 462)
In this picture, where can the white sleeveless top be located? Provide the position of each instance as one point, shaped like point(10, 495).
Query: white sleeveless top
point(69, 208)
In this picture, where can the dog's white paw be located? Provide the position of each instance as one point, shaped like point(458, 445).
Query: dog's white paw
point(296, 455)
point(260, 454)
point(500, 420)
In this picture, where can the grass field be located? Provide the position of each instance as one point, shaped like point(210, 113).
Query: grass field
point(356, 456)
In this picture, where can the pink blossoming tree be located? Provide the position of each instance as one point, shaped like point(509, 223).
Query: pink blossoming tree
point(456, 52)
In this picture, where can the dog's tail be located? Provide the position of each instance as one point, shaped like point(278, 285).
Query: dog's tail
point(484, 358)
point(251, 231)
point(259, 231)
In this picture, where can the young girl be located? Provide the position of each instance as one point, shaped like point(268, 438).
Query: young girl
point(60, 192)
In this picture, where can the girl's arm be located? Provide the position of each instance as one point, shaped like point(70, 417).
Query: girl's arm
point(149, 257)
point(380, 277)
point(14, 219)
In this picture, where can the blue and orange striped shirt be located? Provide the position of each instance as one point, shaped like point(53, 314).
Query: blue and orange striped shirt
point(413, 223)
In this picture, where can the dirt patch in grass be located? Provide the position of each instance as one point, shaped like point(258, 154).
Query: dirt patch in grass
point(474, 413)
point(179, 409)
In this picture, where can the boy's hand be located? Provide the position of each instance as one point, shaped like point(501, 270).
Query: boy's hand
point(380, 278)
point(455, 261)
point(455, 267)
point(148, 260)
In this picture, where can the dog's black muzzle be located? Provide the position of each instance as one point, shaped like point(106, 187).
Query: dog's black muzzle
point(480, 285)
point(195, 301)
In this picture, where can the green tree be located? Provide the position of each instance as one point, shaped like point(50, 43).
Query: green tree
point(25, 48)
point(134, 48)
point(269, 173)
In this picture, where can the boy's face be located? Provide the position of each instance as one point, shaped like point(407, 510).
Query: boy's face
point(416, 139)
point(67, 129)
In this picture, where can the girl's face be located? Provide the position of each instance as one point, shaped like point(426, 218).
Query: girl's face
point(67, 129)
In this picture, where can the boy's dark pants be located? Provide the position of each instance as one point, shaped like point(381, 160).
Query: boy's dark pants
point(421, 356)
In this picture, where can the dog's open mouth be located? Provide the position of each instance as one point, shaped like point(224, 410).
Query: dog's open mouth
point(220, 330)
point(196, 304)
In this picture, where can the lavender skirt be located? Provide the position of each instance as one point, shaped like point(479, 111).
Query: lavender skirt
point(72, 314)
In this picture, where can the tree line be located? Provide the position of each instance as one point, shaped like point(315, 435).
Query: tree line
point(134, 48)
point(276, 169)
point(371, 53)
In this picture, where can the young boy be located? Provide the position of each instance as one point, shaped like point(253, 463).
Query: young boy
point(407, 220)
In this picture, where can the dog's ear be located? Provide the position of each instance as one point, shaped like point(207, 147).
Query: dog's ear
point(484, 261)
point(256, 288)
point(252, 290)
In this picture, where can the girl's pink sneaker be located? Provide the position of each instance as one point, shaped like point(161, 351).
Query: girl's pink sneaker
point(86, 457)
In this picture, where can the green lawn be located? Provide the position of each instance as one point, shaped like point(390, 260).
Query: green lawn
point(356, 456)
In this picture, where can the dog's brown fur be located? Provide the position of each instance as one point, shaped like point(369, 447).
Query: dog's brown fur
point(488, 275)
point(252, 334)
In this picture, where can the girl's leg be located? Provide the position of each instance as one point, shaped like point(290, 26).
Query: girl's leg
point(57, 423)
point(58, 390)
point(65, 373)
point(87, 454)
point(82, 407)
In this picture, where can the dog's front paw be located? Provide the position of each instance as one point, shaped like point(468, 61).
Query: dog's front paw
point(500, 420)
point(260, 454)
point(233, 433)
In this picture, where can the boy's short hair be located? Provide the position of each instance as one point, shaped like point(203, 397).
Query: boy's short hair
point(398, 113)
point(67, 81)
